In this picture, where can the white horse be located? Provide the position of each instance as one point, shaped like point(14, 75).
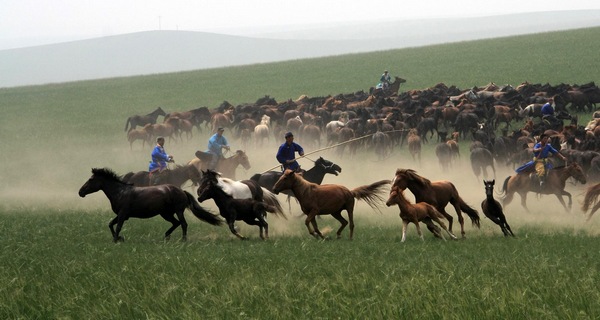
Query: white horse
point(261, 131)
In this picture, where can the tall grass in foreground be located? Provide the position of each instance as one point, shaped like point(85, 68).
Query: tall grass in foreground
point(64, 265)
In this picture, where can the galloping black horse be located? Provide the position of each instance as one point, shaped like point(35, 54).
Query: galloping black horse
point(493, 210)
point(128, 201)
point(315, 175)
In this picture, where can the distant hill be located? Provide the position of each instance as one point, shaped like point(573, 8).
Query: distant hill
point(154, 52)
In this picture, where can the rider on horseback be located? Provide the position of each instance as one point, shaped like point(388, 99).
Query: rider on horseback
point(548, 115)
point(286, 153)
point(215, 145)
point(385, 80)
point(541, 151)
point(159, 160)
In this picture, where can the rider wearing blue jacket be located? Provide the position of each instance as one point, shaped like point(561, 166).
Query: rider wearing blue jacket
point(159, 156)
point(286, 153)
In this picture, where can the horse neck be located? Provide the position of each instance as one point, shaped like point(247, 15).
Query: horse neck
point(315, 174)
point(301, 186)
point(402, 202)
point(220, 197)
point(113, 190)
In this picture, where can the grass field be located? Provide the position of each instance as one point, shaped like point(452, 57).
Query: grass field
point(58, 260)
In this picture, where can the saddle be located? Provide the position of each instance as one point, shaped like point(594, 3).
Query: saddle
point(157, 177)
point(204, 156)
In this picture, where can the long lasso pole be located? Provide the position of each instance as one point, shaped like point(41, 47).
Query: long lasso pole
point(335, 145)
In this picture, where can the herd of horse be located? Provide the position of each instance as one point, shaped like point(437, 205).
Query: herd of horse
point(138, 195)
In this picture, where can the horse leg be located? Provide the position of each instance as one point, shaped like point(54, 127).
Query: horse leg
point(310, 220)
point(524, 200)
point(447, 216)
point(562, 201)
point(120, 219)
point(419, 232)
point(174, 224)
point(404, 227)
point(230, 223)
point(594, 209)
point(343, 222)
point(441, 223)
point(112, 229)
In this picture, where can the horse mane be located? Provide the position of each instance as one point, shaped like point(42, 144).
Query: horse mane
point(412, 175)
point(107, 173)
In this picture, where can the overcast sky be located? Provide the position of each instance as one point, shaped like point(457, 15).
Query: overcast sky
point(35, 22)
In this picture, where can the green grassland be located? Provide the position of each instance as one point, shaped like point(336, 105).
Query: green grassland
point(58, 260)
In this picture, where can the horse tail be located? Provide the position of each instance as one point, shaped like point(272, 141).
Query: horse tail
point(505, 186)
point(200, 212)
point(371, 194)
point(472, 213)
point(127, 123)
point(270, 199)
point(591, 197)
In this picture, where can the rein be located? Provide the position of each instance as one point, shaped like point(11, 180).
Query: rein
point(333, 146)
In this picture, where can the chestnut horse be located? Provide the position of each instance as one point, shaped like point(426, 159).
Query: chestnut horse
point(591, 199)
point(177, 177)
point(493, 210)
point(330, 199)
point(128, 201)
point(555, 184)
point(415, 213)
point(438, 194)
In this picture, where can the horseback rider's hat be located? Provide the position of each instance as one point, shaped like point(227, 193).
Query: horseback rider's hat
point(289, 134)
point(220, 129)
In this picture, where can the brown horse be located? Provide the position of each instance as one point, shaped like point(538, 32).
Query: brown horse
point(415, 213)
point(438, 194)
point(226, 167)
point(138, 120)
point(328, 199)
point(177, 177)
point(591, 199)
point(555, 184)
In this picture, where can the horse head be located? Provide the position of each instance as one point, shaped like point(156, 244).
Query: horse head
point(406, 178)
point(489, 187)
point(242, 159)
point(96, 181)
point(208, 183)
point(329, 166)
point(576, 172)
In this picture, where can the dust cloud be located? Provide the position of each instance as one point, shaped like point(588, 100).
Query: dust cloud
point(55, 185)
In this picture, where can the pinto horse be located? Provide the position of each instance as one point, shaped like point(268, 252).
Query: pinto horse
point(177, 176)
point(493, 210)
point(128, 201)
point(555, 184)
point(249, 210)
point(438, 194)
point(226, 166)
point(330, 199)
point(415, 213)
point(244, 189)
